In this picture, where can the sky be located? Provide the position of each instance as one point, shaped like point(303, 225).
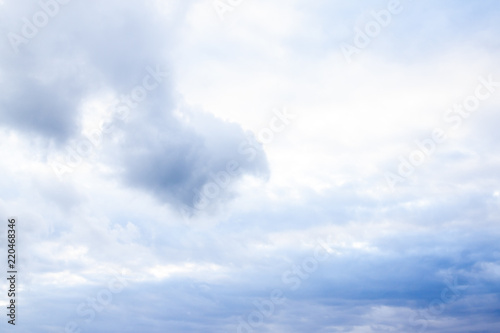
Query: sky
point(251, 166)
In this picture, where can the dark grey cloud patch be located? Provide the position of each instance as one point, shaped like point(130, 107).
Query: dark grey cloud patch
point(84, 48)
point(43, 108)
point(175, 154)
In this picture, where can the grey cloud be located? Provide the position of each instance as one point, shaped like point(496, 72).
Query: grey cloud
point(84, 48)
point(45, 109)
point(93, 46)
point(174, 159)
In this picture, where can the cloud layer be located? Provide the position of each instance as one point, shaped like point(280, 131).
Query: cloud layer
point(175, 170)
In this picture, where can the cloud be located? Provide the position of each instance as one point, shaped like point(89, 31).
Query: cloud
point(73, 62)
point(177, 100)
point(174, 155)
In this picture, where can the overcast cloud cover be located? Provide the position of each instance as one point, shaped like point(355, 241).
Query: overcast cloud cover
point(252, 166)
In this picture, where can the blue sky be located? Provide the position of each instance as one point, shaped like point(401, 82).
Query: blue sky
point(226, 166)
